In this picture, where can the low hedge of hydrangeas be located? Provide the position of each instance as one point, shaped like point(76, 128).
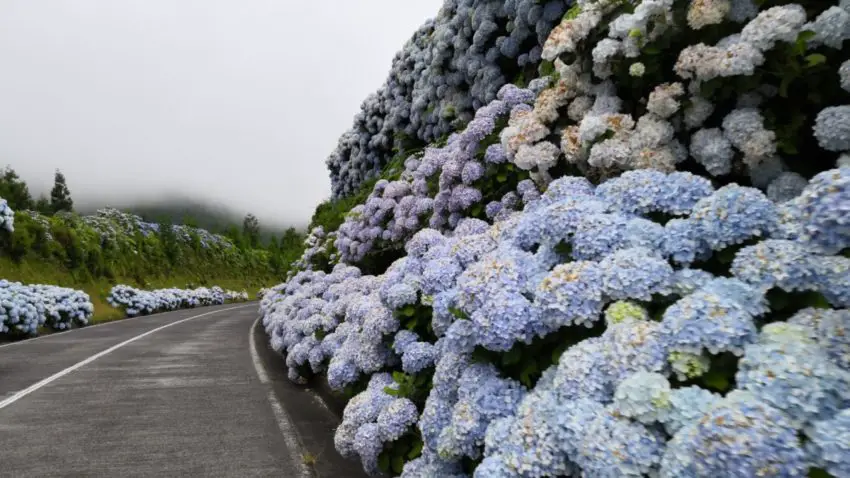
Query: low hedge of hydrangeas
point(137, 302)
point(635, 265)
point(25, 308)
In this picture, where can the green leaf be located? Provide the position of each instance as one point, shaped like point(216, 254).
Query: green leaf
point(408, 310)
point(527, 372)
point(416, 449)
point(501, 177)
point(399, 377)
point(651, 50)
point(819, 473)
point(805, 35)
point(716, 381)
point(815, 59)
point(384, 462)
point(391, 391)
point(513, 356)
point(398, 464)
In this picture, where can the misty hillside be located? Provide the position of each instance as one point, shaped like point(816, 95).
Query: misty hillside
point(206, 215)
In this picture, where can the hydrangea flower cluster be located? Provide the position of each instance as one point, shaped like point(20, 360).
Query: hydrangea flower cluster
point(691, 282)
point(143, 302)
point(436, 188)
point(25, 308)
point(452, 66)
point(7, 216)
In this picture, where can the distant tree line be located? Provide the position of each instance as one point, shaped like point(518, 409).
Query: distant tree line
point(256, 251)
point(15, 191)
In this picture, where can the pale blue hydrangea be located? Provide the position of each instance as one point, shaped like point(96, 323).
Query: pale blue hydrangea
point(368, 445)
point(683, 243)
point(832, 127)
point(776, 263)
point(687, 406)
point(829, 444)
point(791, 373)
point(734, 214)
point(643, 396)
point(824, 208)
point(580, 373)
point(786, 186)
point(483, 396)
point(632, 346)
point(571, 294)
point(831, 329)
point(396, 418)
point(713, 151)
point(686, 281)
point(635, 273)
point(417, 357)
point(613, 447)
point(831, 27)
point(844, 75)
point(740, 437)
point(708, 321)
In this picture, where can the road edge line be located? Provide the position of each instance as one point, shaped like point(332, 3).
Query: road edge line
point(56, 376)
point(287, 428)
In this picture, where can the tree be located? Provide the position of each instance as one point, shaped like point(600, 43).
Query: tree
point(60, 195)
point(42, 205)
point(14, 190)
point(251, 230)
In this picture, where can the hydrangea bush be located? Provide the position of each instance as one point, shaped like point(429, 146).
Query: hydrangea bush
point(7, 217)
point(25, 308)
point(452, 66)
point(136, 302)
point(658, 285)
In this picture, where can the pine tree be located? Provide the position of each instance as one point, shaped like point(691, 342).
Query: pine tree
point(42, 205)
point(14, 190)
point(251, 230)
point(60, 195)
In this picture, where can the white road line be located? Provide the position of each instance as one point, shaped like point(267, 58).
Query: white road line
point(284, 423)
point(64, 333)
point(32, 388)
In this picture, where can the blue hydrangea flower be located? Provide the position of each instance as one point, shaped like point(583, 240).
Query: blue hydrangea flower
point(643, 396)
point(687, 406)
point(571, 294)
point(776, 263)
point(792, 374)
point(708, 321)
point(396, 418)
point(831, 329)
point(734, 214)
point(825, 211)
point(739, 437)
point(613, 447)
point(635, 273)
point(829, 444)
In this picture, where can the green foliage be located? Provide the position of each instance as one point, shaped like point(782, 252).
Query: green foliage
point(60, 195)
point(251, 230)
point(409, 447)
point(414, 387)
point(14, 190)
point(526, 362)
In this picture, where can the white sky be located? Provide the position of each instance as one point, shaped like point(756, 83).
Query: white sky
point(235, 101)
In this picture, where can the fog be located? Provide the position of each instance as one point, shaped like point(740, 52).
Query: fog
point(232, 102)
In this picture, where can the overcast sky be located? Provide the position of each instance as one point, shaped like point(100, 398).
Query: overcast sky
point(237, 101)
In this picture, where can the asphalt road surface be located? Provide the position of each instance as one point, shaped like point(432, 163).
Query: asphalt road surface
point(186, 393)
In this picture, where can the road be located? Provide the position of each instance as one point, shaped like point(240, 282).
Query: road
point(185, 393)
